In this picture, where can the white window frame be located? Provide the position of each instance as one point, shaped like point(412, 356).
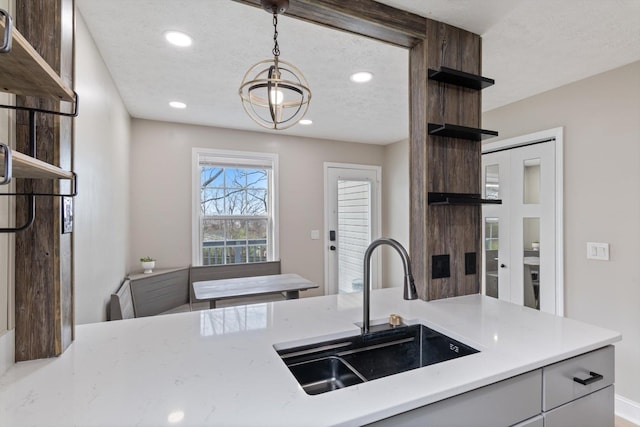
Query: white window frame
point(233, 158)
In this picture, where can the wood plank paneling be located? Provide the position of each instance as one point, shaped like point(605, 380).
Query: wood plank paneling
point(418, 155)
point(44, 294)
point(453, 164)
point(362, 17)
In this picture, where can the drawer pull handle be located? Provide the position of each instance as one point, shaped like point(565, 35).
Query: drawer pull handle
point(592, 379)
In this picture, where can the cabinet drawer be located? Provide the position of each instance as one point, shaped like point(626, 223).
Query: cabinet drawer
point(573, 378)
point(593, 410)
point(501, 404)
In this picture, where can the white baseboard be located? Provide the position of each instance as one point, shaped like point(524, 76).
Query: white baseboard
point(7, 350)
point(627, 409)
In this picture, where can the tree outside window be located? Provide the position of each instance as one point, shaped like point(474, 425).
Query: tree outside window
point(234, 214)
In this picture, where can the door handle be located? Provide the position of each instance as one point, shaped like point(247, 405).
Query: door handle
point(503, 266)
point(333, 248)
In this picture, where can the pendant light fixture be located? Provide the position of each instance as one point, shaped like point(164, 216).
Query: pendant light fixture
point(274, 93)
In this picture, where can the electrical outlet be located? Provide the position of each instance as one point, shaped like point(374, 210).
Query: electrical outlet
point(440, 266)
point(469, 263)
point(599, 251)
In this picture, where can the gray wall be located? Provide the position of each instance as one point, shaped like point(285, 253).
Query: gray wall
point(395, 209)
point(101, 160)
point(601, 120)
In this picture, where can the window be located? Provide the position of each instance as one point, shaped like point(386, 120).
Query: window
point(233, 208)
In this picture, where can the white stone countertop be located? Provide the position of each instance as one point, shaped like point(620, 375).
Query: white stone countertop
point(219, 367)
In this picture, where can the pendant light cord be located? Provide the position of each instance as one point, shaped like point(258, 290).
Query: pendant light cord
point(276, 47)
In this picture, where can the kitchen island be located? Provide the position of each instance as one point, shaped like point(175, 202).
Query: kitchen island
point(219, 367)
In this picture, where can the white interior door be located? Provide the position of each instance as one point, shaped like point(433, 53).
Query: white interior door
point(522, 243)
point(352, 218)
point(495, 218)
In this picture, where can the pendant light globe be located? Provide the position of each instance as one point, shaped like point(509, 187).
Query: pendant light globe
point(275, 93)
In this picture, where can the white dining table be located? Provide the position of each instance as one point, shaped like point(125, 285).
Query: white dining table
point(214, 290)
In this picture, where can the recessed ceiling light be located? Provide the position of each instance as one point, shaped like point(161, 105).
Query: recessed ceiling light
point(361, 77)
point(178, 39)
point(306, 122)
point(177, 104)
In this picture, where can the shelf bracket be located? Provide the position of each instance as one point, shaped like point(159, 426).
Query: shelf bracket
point(72, 193)
point(74, 113)
point(32, 204)
point(7, 164)
point(6, 37)
point(30, 218)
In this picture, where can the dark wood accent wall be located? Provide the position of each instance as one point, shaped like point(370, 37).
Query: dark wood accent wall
point(449, 165)
point(43, 258)
point(418, 157)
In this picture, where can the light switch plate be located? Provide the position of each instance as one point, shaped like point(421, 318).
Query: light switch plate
point(315, 234)
point(599, 251)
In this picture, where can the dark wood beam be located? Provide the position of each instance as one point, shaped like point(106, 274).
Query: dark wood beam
point(362, 17)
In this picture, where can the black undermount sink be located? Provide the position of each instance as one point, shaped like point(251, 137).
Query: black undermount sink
point(334, 364)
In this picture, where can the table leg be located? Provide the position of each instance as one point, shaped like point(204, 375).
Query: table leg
point(292, 294)
point(212, 303)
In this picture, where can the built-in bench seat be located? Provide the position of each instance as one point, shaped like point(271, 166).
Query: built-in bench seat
point(161, 292)
point(171, 291)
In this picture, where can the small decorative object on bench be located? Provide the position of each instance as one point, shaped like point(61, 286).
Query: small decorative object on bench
point(148, 264)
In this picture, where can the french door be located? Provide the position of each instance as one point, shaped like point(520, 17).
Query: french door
point(522, 237)
point(352, 221)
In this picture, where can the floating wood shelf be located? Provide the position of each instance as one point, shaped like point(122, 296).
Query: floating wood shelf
point(459, 199)
point(24, 166)
point(460, 78)
point(462, 132)
point(24, 72)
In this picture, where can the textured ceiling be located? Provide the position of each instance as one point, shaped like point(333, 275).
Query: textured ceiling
point(529, 46)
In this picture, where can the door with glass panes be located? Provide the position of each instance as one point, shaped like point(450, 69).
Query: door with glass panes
point(352, 212)
point(519, 235)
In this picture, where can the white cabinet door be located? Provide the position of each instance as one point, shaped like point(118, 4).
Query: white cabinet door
point(592, 410)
